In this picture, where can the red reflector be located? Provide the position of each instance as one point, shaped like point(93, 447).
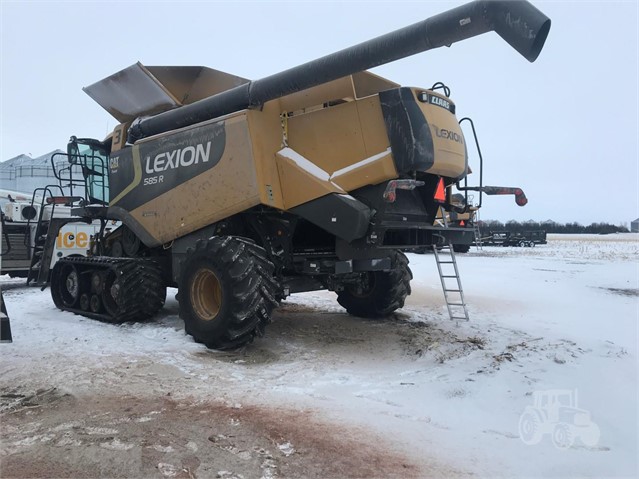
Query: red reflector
point(440, 193)
point(462, 223)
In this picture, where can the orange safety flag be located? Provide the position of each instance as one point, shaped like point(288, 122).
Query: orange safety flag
point(440, 193)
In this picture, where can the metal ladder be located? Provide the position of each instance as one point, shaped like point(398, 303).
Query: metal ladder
point(478, 242)
point(475, 219)
point(451, 283)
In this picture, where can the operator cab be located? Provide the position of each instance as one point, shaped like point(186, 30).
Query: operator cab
point(92, 156)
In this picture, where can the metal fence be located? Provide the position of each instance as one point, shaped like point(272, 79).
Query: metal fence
point(25, 171)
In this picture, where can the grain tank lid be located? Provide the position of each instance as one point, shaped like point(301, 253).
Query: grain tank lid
point(139, 91)
point(130, 93)
point(190, 84)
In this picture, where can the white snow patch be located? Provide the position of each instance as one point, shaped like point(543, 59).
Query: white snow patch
point(164, 449)
point(304, 164)
point(191, 446)
point(117, 445)
point(168, 470)
point(287, 448)
point(102, 431)
point(359, 164)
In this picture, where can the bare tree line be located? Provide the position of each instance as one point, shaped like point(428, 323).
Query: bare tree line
point(550, 226)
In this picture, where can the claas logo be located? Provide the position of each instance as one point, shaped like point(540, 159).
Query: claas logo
point(72, 240)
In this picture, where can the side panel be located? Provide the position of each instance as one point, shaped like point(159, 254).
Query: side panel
point(180, 182)
point(266, 133)
point(302, 180)
point(332, 138)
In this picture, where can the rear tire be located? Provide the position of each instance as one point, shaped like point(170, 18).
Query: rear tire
point(461, 248)
point(227, 292)
point(379, 293)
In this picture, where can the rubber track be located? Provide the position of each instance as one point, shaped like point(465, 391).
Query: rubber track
point(142, 291)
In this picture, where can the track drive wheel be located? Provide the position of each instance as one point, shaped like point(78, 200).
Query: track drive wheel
point(226, 292)
point(379, 293)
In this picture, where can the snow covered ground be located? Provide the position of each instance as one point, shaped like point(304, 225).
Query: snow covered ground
point(443, 399)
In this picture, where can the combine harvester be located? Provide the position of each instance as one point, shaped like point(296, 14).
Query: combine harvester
point(240, 193)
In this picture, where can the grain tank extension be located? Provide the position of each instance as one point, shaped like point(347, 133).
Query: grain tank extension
point(242, 192)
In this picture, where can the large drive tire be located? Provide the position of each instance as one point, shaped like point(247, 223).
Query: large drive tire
point(380, 292)
point(226, 292)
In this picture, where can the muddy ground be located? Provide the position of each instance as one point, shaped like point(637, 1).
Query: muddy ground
point(51, 434)
point(87, 413)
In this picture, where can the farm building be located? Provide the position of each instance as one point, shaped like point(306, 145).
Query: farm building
point(634, 226)
point(24, 174)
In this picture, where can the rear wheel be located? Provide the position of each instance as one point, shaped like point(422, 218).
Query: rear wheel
point(461, 248)
point(379, 293)
point(227, 292)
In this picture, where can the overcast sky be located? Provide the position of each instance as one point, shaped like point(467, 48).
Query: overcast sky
point(565, 128)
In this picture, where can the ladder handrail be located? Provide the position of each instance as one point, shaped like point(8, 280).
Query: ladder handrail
point(46, 193)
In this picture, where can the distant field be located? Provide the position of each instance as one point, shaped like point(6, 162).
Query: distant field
point(616, 237)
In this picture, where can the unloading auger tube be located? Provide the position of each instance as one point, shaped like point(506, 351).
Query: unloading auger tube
point(519, 23)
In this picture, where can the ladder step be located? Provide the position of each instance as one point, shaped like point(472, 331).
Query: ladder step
point(449, 276)
point(453, 290)
point(455, 304)
point(446, 262)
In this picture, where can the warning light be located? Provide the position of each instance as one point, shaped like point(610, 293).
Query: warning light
point(462, 223)
point(440, 193)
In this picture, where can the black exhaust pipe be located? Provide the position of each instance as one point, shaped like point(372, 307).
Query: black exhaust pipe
point(519, 23)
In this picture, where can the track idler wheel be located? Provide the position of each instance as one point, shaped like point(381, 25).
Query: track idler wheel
point(84, 302)
point(65, 286)
point(95, 303)
point(111, 294)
